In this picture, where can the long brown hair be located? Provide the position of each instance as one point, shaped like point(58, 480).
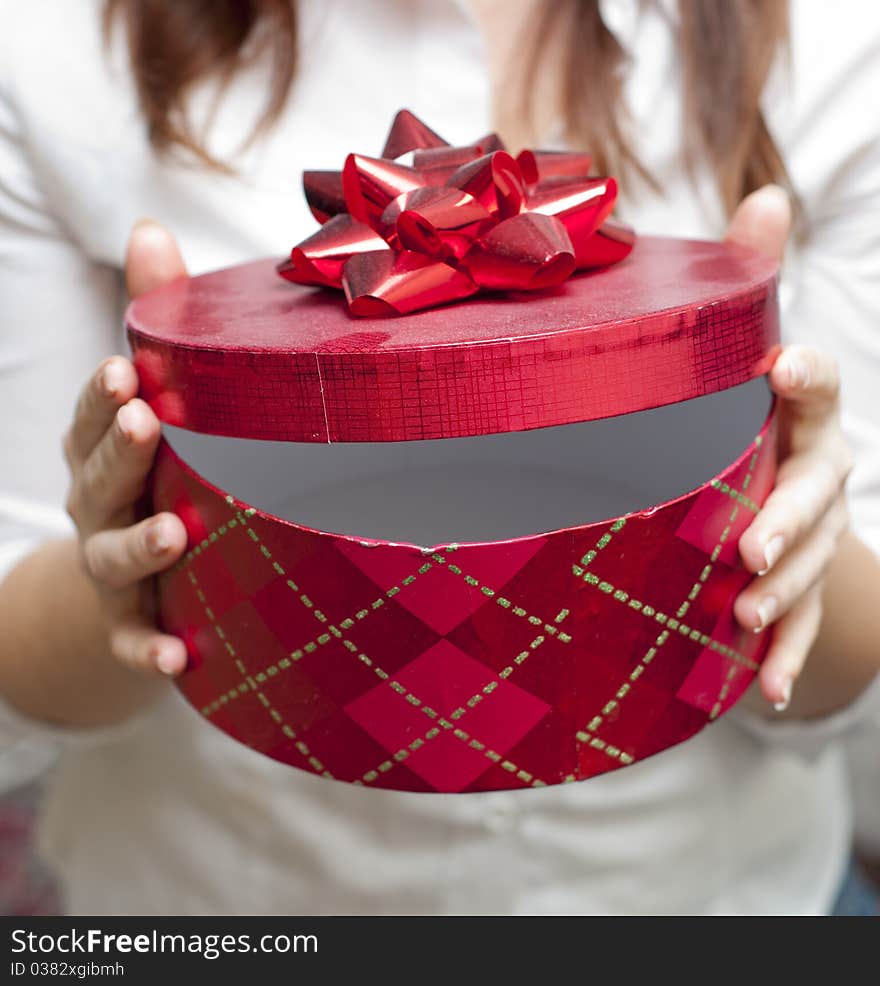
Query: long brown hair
point(726, 48)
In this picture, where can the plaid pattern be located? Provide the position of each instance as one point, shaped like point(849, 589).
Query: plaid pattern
point(464, 668)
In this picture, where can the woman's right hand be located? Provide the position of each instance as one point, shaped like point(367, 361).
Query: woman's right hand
point(110, 449)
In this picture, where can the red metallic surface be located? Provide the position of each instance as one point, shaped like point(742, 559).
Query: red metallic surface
point(469, 667)
point(239, 352)
point(459, 220)
point(409, 133)
point(464, 668)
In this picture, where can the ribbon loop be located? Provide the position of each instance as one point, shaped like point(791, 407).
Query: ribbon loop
point(371, 183)
point(321, 258)
point(495, 181)
point(384, 283)
point(581, 207)
point(524, 253)
point(439, 222)
point(461, 219)
point(324, 193)
point(409, 133)
point(559, 164)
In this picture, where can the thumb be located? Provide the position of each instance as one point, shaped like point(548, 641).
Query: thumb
point(762, 221)
point(151, 258)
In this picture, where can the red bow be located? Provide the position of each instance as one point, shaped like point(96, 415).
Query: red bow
point(398, 238)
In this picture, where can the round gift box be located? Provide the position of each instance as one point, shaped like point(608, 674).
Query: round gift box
point(491, 545)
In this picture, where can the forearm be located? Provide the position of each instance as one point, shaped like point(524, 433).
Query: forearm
point(55, 660)
point(846, 655)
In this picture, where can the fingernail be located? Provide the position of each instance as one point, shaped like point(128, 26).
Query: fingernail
point(796, 372)
point(772, 553)
point(766, 612)
point(143, 221)
point(156, 539)
point(165, 663)
point(124, 421)
point(111, 379)
point(782, 705)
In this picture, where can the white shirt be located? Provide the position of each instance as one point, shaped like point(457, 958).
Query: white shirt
point(167, 814)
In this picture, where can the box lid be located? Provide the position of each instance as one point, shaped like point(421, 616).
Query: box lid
point(239, 352)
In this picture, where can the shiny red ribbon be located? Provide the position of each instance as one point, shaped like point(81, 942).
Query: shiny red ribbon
point(397, 238)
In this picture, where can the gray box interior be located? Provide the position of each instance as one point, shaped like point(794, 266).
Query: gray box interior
point(491, 487)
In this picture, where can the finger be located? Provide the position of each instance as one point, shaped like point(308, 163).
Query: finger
point(113, 383)
point(143, 648)
point(810, 379)
point(113, 475)
point(118, 558)
point(804, 495)
point(762, 221)
point(793, 637)
point(152, 258)
point(765, 600)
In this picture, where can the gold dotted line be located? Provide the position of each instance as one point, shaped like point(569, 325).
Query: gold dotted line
point(600, 545)
point(205, 543)
point(241, 520)
point(588, 735)
point(265, 674)
point(250, 684)
point(383, 675)
point(460, 734)
point(318, 641)
point(268, 672)
point(722, 695)
point(672, 623)
point(728, 680)
point(524, 655)
point(472, 702)
point(348, 622)
point(704, 575)
point(402, 754)
point(594, 741)
point(735, 494)
point(503, 602)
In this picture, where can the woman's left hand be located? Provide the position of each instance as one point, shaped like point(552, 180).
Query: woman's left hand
point(792, 541)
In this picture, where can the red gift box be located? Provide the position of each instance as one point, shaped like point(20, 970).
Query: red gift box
point(443, 608)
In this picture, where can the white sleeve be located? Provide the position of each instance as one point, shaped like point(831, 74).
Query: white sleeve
point(831, 290)
point(58, 317)
point(831, 286)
